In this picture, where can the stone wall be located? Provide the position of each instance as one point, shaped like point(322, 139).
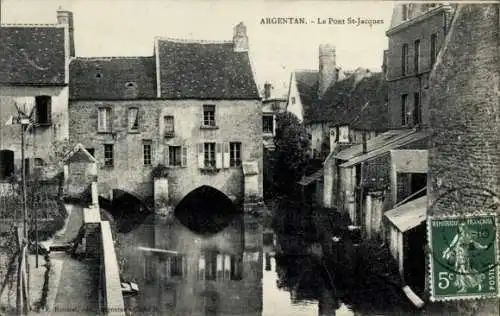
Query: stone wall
point(465, 115)
point(238, 121)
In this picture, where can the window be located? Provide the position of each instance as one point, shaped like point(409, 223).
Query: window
point(108, 155)
point(209, 115)
point(343, 134)
point(417, 115)
point(169, 125)
point(235, 154)
point(293, 100)
point(404, 59)
point(433, 49)
point(404, 108)
point(210, 265)
point(175, 156)
point(133, 120)
point(209, 155)
point(149, 269)
point(91, 151)
point(147, 146)
point(176, 266)
point(38, 162)
point(43, 106)
point(236, 268)
point(268, 124)
point(416, 60)
point(104, 120)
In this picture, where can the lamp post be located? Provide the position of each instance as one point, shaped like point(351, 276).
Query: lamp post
point(25, 122)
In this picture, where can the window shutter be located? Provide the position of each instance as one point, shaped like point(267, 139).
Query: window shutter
point(220, 262)
point(201, 156)
point(100, 120)
point(218, 156)
point(184, 156)
point(226, 155)
point(274, 125)
point(168, 265)
point(227, 267)
point(201, 268)
point(167, 155)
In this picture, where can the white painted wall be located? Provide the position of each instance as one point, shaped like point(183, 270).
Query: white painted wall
point(295, 108)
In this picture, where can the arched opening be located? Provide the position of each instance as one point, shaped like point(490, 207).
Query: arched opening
point(206, 210)
point(128, 210)
point(6, 163)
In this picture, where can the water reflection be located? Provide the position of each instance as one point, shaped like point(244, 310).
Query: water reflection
point(232, 272)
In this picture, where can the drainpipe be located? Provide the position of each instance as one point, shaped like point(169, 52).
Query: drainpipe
point(365, 147)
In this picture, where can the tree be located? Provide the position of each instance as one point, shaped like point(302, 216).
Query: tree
point(291, 153)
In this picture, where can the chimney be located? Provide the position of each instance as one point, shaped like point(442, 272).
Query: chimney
point(327, 68)
point(66, 18)
point(240, 38)
point(267, 90)
point(365, 146)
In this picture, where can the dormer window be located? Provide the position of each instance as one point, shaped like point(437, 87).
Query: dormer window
point(43, 104)
point(209, 116)
point(344, 134)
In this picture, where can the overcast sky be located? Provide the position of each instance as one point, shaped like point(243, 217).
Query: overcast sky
point(128, 28)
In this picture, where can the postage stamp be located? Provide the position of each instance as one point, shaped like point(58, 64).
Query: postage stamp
point(464, 254)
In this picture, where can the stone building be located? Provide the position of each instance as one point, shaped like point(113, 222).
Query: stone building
point(465, 112)
point(272, 104)
point(416, 34)
point(34, 75)
point(184, 108)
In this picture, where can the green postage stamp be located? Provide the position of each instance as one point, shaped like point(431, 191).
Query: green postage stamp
point(463, 257)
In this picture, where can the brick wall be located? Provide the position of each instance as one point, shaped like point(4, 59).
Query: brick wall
point(239, 121)
point(464, 104)
point(465, 113)
point(435, 23)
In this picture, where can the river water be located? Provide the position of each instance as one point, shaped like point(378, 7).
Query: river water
point(233, 272)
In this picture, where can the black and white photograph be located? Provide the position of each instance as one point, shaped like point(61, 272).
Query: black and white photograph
point(249, 158)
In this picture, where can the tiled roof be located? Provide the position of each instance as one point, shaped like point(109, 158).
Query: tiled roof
point(357, 100)
point(32, 55)
point(307, 86)
point(112, 78)
point(199, 70)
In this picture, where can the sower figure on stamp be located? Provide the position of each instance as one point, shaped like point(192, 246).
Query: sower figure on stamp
point(458, 252)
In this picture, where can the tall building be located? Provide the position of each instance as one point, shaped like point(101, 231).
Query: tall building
point(416, 34)
point(192, 107)
point(34, 76)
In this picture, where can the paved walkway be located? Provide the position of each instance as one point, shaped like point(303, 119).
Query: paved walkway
point(77, 289)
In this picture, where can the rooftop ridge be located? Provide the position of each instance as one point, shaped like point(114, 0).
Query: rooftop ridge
point(305, 70)
point(31, 25)
point(109, 57)
point(192, 41)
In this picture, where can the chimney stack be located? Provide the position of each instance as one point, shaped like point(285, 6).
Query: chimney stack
point(240, 38)
point(327, 68)
point(66, 18)
point(267, 90)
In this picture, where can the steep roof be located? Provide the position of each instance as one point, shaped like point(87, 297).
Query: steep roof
point(358, 100)
point(32, 55)
point(204, 70)
point(112, 78)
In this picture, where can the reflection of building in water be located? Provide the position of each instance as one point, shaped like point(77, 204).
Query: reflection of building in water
point(188, 274)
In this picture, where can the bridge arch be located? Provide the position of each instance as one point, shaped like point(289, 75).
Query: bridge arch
point(206, 210)
point(129, 209)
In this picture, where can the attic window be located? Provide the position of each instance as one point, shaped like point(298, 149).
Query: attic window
point(130, 85)
point(98, 75)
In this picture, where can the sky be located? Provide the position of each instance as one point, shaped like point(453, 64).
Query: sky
point(128, 28)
